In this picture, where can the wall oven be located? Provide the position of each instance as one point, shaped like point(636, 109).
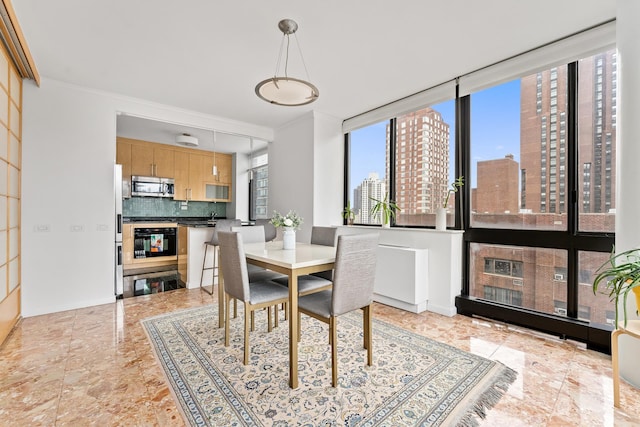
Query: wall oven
point(154, 242)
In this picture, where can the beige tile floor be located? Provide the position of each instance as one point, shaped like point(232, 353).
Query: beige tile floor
point(94, 366)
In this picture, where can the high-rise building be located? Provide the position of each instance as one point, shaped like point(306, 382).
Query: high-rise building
point(497, 186)
point(422, 161)
point(370, 187)
point(543, 137)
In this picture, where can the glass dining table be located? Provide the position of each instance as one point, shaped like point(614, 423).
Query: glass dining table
point(304, 259)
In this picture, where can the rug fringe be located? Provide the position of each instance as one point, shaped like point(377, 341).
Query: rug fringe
point(490, 398)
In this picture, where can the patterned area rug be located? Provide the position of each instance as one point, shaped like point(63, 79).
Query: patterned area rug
point(413, 380)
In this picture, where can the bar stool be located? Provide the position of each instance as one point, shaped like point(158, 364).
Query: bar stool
point(221, 225)
point(633, 329)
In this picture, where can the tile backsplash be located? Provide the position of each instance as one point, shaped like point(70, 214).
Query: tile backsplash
point(161, 207)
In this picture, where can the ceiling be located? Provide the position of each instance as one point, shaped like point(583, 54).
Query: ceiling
point(207, 56)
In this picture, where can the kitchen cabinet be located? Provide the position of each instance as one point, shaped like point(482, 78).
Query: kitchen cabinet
point(217, 187)
point(183, 255)
point(123, 157)
point(150, 159)
point(188, 176)
point(192, 170)
point(224, 163)
point(181, 175)
point(196, 177)
point(127, 244)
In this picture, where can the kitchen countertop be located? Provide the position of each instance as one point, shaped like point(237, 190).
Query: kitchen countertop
point(186, 221)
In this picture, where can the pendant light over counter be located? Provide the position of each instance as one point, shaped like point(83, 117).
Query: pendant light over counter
point(285, 90)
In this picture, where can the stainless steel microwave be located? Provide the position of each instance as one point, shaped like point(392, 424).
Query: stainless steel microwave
point(151, 186)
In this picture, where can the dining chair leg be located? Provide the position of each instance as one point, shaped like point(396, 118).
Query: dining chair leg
point(277, 316)
point(235, 308)
point(286, 310)
point(248, 314)
point(299, 328)
point(226, 320)
point(368, 342)
point(333, 333)
point(616, 367)
point(253, 319)
point(269, 324)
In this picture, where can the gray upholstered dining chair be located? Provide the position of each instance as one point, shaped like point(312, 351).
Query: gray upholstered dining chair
point(256, 234)
point(221, 225)
point(353, 281)
point(324, 236)
point(269, 229)
point(255, 294)
point(315, 282)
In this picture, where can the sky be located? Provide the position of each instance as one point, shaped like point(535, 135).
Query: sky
point(495, 132)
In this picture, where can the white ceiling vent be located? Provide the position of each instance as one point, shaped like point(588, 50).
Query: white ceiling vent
point(186, 139)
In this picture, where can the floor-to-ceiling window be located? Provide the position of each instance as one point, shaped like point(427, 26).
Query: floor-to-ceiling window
point(534, 138)
point(542, 201)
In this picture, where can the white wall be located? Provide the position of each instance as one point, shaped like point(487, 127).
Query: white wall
point(68, 155)
point(306, 161)
point(291, 172)
point(328, 170)
point(628, 154)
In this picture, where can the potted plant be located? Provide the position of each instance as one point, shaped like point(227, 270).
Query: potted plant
point(385, 209)
point(619, 276)
point(290, 223)
point(348, 213)
point(441, 212)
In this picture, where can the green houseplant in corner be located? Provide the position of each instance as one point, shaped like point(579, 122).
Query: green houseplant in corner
point(619, 276)
point(348, 213)
point(384, 209)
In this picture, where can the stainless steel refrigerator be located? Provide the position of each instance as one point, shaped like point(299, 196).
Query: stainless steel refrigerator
point(118, 276)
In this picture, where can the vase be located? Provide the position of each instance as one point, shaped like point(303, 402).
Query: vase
point(441, 219)
point(289, 238)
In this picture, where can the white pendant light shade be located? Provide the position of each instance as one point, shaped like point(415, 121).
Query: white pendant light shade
point(186, 139)
point(285, 90)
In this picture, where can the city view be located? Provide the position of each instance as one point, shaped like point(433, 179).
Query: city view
point(518, 180)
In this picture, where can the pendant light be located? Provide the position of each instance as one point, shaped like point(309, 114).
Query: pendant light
point(215, 166)
point(287, 91)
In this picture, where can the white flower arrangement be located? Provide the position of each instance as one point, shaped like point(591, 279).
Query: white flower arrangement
point(291, 219)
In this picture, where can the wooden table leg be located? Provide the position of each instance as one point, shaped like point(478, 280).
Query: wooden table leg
point(293, 329)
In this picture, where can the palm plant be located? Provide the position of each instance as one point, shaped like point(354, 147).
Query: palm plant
point(348, 213)
point(385, 208)
point(620, 275)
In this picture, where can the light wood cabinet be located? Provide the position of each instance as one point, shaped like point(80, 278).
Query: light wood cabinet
point(192, 170)
point(196, 177)
point(163, 160)
point(123, 157)
point(217, 187)
point(152, 160)
point(127, 244)
point(224, 163)
point(181, 175)
point(183, 254)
